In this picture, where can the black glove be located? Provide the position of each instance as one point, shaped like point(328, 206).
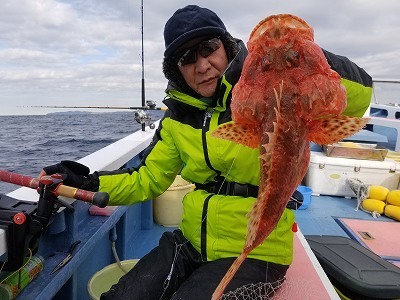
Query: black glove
point(75, 174)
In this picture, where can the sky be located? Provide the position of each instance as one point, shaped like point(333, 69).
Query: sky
point(88, 52)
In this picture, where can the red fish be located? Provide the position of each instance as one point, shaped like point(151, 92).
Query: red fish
point(286, 97)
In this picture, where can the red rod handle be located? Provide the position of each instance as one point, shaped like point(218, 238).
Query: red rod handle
point(99, 199)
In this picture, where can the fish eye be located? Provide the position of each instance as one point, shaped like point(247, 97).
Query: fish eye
point(292, 58)
point(266, 63)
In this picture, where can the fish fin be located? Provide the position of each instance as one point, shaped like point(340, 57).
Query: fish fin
point(244, 134)
point(334, 129)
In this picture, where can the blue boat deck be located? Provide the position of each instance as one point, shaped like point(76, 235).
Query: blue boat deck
point(320, 217)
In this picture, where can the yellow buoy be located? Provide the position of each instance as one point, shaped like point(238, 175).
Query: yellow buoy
point(392, 211)
point(373, 205)
point(378, 192)
point(394, 197)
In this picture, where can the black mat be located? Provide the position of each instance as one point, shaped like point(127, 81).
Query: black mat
point(354, 270)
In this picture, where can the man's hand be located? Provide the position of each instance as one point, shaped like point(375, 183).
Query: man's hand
point(73, 174)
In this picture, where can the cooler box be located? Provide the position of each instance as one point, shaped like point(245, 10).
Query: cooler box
point(327, 175)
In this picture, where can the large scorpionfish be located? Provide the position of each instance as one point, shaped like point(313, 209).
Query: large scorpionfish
point(286, 97)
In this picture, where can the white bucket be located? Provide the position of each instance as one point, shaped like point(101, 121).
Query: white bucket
point(168, 207)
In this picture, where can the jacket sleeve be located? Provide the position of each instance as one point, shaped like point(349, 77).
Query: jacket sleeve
point(357, 82)
point(160, 165)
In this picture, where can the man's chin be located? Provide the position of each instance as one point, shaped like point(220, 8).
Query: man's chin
point(207, 89)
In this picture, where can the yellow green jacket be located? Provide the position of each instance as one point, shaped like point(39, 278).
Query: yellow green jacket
point(215, 225)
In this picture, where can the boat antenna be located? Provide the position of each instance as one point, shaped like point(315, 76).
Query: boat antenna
point(143, 85)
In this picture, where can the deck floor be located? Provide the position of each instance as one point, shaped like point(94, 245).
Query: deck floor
point(320, 217)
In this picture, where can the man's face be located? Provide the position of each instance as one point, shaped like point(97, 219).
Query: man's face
point(202, 64)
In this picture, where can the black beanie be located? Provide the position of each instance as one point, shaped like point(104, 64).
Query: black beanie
point(190, 22)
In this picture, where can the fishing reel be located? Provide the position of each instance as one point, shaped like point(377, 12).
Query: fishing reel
point(143, 117)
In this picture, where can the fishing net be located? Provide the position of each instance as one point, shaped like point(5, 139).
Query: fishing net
point(254, 291)
point(359, 188)
point(293, 288)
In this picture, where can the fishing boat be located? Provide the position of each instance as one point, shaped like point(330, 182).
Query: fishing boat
point(123, 233)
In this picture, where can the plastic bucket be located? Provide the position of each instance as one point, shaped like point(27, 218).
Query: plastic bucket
point(168, 207)
point(102, 280)
point(306, 192)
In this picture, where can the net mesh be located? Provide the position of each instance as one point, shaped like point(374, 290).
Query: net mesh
point(281, 290)
point(253, 291)
point(359, 188)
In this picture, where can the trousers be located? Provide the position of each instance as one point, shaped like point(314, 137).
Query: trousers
point(174, 270)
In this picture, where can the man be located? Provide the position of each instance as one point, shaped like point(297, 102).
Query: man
point(202, 63)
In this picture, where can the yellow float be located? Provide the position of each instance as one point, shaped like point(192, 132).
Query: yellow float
point(378, 192)
point(394, 197)
point(392, 211)
point(373, 205)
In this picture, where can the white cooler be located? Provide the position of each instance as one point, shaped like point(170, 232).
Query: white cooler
point(327, 175)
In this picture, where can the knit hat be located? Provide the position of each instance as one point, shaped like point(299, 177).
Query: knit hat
point(190, 22)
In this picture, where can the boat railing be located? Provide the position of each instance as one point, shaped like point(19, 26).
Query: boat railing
point(380, 85)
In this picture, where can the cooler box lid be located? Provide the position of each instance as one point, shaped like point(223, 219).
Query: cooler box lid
point(321, 158)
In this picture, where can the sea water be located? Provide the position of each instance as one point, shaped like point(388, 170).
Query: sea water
point(29, 143)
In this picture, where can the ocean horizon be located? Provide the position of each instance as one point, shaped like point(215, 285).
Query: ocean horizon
point(30, 142)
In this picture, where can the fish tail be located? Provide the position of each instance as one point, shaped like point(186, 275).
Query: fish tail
point(219, 291)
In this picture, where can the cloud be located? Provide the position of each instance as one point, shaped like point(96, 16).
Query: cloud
point(88, 52)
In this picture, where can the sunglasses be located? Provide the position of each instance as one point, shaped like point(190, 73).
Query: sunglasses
point(205, 49)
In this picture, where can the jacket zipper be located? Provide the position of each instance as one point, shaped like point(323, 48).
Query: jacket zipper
point(203, 233)
point(205, 128)
point(206, 121)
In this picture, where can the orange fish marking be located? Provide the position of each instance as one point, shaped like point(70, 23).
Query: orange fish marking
point(286, 97)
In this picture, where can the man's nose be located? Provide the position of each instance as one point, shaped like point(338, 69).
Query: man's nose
point(202, 63)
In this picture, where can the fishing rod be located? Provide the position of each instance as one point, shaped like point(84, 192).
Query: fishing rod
point(99, 199)
point(142, 48)
point(141, 114)
point(103, 107)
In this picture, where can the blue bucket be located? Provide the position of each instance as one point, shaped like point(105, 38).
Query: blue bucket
point(306, 192)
